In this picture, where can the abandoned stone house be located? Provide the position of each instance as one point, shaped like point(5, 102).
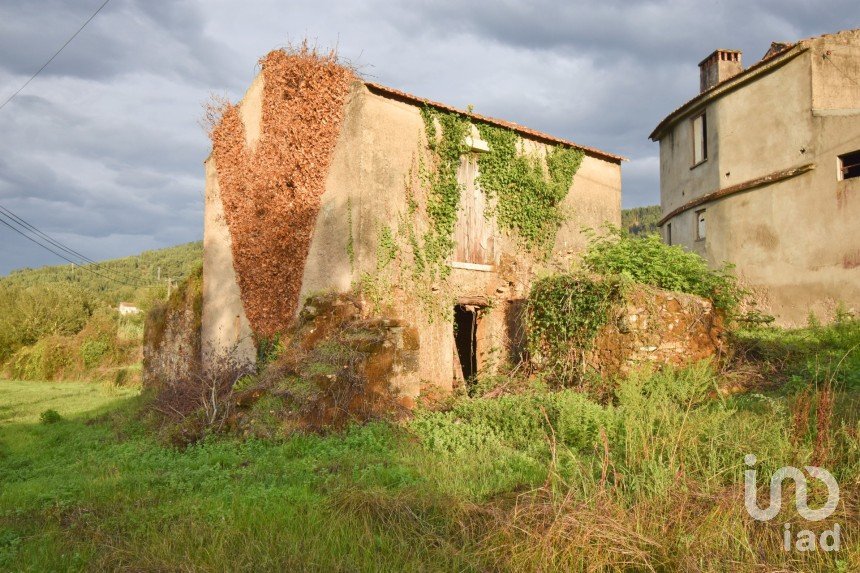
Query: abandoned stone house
point(762, 169)
point(365, 210)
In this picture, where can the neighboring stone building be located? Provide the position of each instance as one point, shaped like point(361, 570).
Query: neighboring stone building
point(366, 205)
point(762, 169)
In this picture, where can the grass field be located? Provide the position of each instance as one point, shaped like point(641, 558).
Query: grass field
point(24, 401)
point(543, 481)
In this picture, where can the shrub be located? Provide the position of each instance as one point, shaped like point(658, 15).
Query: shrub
point(29, 314)
point(92, 352)
point(45, 360)
point(565, 313)
point(649, 261)
point(516, 422)
point(50, 416)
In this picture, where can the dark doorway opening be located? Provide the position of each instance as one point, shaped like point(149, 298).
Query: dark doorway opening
point(466, 339)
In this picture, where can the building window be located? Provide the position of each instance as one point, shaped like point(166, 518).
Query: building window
point(669, 234)
point(700, 139)
point(849, 165)
point(700, 225)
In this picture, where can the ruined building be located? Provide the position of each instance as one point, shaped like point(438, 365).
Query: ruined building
point(319, 181)
point(762, 169)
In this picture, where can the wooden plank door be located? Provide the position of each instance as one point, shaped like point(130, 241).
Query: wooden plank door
point(474, 233)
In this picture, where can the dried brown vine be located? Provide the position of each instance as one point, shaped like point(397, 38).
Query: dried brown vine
point(271, 194)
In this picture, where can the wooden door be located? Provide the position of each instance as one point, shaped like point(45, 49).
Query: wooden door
point(474, 233)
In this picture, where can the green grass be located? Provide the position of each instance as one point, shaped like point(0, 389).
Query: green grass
point(22, 401)
point(100, 492)
point(540, 481)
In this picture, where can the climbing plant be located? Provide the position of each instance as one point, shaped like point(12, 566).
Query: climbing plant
point(386, 250)
point(527, 195)
point(271, 192)
point(565, 313)
point(350, 240)
point(446, 145)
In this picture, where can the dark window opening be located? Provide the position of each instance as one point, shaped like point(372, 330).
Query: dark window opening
point(466, 339)
point(669, 234)
point(849, 165)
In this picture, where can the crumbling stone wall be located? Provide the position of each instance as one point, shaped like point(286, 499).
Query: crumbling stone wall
point(339, 364)
point(655, 326)
point(172, 336)
point(271, 190)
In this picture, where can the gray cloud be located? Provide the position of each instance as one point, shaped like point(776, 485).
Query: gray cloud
point(103, 149)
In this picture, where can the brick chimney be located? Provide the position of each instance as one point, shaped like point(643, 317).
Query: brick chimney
point(719, 66)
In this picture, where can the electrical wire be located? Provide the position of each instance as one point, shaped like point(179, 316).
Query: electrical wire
point(71, 252)
point(51, 59)
point(84, 267)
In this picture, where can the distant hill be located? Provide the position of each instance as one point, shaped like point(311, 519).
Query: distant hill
point(62, 322)
point(641, 220)
point(127, 279)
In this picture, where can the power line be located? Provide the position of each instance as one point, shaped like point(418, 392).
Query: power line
point(32, 228)
point(51, 59)
point(84, 267)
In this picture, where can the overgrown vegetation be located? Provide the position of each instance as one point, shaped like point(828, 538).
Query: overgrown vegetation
point(62, 323)
point(534, 481)
point(567, 311)
point(527, 189)
point(648, 260)
point(447, 145)
point(271, 194)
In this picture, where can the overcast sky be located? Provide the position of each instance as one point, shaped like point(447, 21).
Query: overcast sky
point(103, 150)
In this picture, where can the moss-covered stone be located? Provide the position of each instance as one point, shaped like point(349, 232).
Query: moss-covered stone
point(172, 334)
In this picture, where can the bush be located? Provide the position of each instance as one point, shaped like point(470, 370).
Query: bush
point(649, 261)
point(92, 352)
point(45, 360)
point(29, 314)
point(565, 312)
point(516, 422)
point(50, 417)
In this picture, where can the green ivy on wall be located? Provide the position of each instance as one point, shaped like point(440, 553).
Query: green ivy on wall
point(527, 196)
point(386, 250)
point(443, 189)
point(527, 190)
point(350, 240)
point(566, 312)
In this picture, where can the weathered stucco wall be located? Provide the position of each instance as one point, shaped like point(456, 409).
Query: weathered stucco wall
point(375, 158)
point(225, 327)
point(794, 241)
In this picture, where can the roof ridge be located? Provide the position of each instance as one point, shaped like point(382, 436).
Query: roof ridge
point(792, 49)
point(383, 89)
